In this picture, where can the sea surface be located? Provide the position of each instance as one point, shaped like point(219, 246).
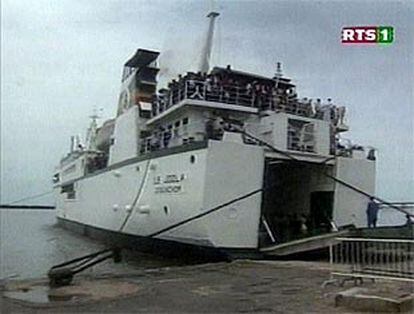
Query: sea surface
point(31, 243)
point(391, 217)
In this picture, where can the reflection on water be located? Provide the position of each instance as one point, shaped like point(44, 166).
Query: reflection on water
point(31, 243)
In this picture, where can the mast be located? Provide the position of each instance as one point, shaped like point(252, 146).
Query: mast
point(92, 130)
point(206, 52)
point(278, 74)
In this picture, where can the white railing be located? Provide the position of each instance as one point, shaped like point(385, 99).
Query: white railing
point(228, 94)
point(174, 136)
point(302, 140)
point(373, 258)
point(203, 90)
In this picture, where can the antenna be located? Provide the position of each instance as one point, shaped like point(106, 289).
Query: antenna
point(95, 116)
point(206, 53)
point(92, 130)
point(278, 73)
point(72, 144)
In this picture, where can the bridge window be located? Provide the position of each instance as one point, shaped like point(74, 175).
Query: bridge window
point(300, 135)
point(69, 189)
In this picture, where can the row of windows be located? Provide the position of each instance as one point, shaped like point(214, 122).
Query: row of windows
point(161, 137)
point(177, 124)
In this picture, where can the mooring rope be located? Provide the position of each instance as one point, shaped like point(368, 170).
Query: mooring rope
point(291, 157)
point(348, 185)
point(29, 197)
point(234, 200)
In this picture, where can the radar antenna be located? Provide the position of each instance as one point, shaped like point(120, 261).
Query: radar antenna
point(206, 53)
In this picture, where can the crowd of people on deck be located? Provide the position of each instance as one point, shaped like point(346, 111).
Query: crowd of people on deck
point(229, 87)
point(225, 87)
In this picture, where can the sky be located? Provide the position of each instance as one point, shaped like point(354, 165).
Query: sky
point(60, 59)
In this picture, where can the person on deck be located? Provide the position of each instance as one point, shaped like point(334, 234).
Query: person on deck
point(372, 213)
point(410, 221)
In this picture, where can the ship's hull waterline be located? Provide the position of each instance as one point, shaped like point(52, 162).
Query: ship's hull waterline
point(142, 198)
point(170, 249)
point(170, 198)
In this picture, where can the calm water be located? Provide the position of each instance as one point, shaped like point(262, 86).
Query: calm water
point(390, 217)
point(31, 243)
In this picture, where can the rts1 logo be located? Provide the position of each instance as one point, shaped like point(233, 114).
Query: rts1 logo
point(368, 35)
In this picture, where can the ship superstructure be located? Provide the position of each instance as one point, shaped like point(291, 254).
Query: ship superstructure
point(219, 159)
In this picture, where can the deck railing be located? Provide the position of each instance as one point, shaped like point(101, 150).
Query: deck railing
point(230, 94)
point(173, 136)
point(373, 258)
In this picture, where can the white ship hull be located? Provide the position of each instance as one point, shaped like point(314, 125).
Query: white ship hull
point(142, 197)
point(225, 160)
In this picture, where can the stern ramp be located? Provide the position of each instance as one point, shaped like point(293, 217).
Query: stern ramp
point(304, 245)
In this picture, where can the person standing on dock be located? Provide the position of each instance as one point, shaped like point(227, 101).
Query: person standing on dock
point(372, 213)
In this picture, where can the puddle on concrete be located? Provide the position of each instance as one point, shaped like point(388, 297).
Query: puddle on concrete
point(83, 291)
point(37, 294)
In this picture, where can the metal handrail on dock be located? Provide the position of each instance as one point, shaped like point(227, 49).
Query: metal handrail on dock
point(391, 259)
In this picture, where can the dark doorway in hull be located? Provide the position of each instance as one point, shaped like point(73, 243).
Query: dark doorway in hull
point(321, 212)
point(297, 201)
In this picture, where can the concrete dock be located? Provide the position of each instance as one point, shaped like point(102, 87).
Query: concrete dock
point(237, 287)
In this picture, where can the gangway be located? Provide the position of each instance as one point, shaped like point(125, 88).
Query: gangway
point(304, 245)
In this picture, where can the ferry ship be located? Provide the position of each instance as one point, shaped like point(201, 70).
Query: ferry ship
point(219, 160)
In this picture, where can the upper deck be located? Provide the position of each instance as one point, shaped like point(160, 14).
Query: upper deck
point(227, 89)
point(233, 90)
point(195, 107)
